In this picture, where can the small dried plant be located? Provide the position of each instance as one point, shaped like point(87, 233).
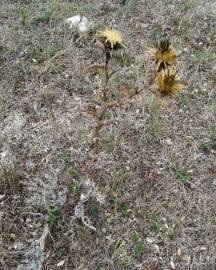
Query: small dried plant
point(165, 77)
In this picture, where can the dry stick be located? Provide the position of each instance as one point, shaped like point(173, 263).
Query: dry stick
point(135, 93)
point(99, 118)
point(105, 100)
point(96, 136)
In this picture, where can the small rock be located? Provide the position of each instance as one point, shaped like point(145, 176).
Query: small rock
point(60, 263)
point(81, 22)
point(199, 249)
point(18, 245)
point(149, 240)
point(172, 265)
point(103, 230)
point(179, 252)
point(169, 141)
point(2, 196)
point(157, 249)
point(166, 226)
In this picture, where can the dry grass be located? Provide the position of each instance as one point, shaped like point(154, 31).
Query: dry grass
point(157, 162)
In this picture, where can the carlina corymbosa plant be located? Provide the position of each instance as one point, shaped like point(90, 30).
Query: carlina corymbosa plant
point(166, 78)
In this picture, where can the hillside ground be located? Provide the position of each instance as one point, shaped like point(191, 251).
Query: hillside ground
point(152, 203)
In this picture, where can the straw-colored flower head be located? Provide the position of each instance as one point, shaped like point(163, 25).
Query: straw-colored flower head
point(111, 38)
point(167, 81)
point(163, 54)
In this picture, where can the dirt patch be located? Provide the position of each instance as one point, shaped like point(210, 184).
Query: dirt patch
point(156, 170)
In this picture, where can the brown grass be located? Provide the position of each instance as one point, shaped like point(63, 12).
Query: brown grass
point(156, 167)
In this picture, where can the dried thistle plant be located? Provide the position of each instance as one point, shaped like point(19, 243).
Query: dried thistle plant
point(167, 81)
point(166, 78)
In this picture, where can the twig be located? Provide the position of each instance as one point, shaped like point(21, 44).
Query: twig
point(135, 93)
point(105, 100)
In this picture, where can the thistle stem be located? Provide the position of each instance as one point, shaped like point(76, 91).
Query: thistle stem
point(135, 93)
point(105, 102)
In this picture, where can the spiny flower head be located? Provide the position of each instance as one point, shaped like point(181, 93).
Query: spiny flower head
point(168, 81)
point(111, 38)
point(163, 54)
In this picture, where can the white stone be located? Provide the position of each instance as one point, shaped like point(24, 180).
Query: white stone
point(157, 248)
point(81, 22)
point(172, 265)
point(149, 240)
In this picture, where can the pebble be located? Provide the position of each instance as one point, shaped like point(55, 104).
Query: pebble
point(179, 252)
point(81, 22)
point(149, 240)
point(157, 249)
point(172, 265)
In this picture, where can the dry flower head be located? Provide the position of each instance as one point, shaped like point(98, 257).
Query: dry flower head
point(167, 81)
point(111, 38)
point(163, 54)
